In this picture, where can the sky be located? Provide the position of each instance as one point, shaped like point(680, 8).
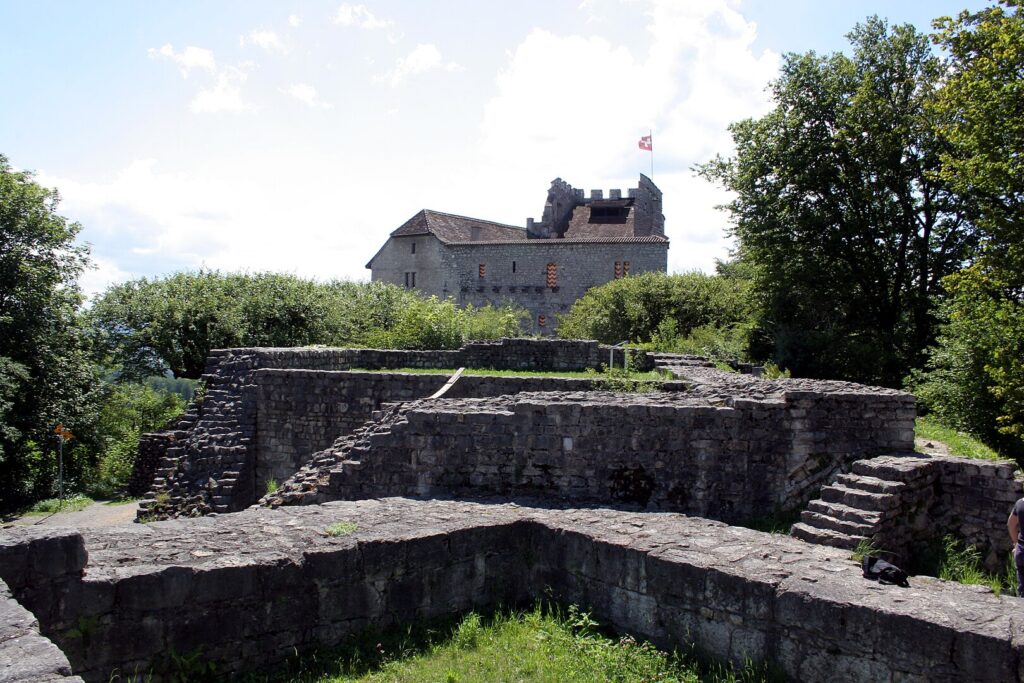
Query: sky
point(268, 135)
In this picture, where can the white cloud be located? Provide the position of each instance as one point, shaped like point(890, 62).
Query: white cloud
point(190, 58)
point(360, 17)
point(424, 57)
point(103, 273)
point(699, 73)
point(224, 95)
point(294, 20)
point(268, 40)
point(306, 94)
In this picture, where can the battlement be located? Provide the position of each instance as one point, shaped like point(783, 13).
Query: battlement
point(640, 211)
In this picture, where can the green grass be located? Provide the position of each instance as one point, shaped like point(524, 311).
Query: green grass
point(340, 529)
point(485, 372)
point(962, 563)
point(51, 505)
point(959, 443)
point(556, 646)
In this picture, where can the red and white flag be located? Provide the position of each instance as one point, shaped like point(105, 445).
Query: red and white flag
point(646, 144)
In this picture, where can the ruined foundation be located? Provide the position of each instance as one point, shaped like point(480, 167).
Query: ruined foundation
point(600, 481)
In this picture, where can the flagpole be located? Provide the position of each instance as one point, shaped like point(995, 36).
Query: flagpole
point(651, 132)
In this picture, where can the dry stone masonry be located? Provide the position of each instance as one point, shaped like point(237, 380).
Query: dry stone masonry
point(251, 589)
point(211, 461)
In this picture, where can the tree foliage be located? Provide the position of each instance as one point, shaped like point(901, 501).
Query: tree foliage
point(654, 305)
point(976, 375)
point(150, 326)
point(46, 375)
point(840, 209)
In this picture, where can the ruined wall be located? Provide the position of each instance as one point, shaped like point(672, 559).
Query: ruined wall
point(732, 461)
point(255, 588)
point(968, 499)
point(300, 412)
point(211, 465)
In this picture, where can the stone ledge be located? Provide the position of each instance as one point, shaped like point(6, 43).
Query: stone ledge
point(255, 586)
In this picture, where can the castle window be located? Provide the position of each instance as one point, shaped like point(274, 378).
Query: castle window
point(618, 269)
point(552, 275)
point(482, 271)
point(542, 320)
point(625, 268)
point(414, 247)
point(513, 266)
point(410, 280)
point(609, 212)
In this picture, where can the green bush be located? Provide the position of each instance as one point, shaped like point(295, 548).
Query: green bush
point(129, 411)
point(665, 312)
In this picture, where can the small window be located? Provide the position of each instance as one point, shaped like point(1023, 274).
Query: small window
point(513, 266)
point(552, 275)
point(414, 247)
point(474, 234)
point(618, 269)
point(482, 271)
point(410, 280)
point(542, 320)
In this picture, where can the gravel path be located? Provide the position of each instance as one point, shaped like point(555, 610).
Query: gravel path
point(96, 515)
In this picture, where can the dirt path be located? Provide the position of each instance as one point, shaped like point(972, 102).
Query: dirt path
point(97, 514)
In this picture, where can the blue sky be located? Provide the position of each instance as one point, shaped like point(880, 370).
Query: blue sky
point(294, 136)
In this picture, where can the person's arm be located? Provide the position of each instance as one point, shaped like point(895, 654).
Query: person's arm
point(1013, 526)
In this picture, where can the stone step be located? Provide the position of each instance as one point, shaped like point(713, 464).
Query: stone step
point(820, 521)
point(857, 498)
point(836, 539)
point(873, 484)
point(895, 468)
point(845, 512)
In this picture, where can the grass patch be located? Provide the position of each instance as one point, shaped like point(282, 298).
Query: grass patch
point(962, 563)
point(271, 485)
point(959, 443)
point(49, 506)
point(545, 645)
point(340, 529)
point(653, 375)
point(120, 501)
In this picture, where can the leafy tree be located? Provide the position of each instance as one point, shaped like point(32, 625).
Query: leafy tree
point(654, 306)
point(46, 376)
point(840, 210)
point(128, 411)
point(976, 377)
point(147, 327)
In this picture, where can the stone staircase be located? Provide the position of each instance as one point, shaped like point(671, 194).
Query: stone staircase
point(865, 503)
point(331, 468)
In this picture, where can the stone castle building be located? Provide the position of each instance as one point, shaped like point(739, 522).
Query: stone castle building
point(579, 243)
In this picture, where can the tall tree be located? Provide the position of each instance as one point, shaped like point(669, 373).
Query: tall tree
point(839, 209)
point(976, 379)
point(45, 373)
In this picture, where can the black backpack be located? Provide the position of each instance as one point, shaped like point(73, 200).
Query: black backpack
point(877, 569)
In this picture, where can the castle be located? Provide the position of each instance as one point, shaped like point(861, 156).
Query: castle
point(579, 243)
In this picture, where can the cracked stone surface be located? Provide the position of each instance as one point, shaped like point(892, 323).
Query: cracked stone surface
point(259, 584)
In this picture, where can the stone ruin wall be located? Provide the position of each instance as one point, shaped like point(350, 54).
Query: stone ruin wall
point(671, 451)
point(256, 588)
point(207, 462)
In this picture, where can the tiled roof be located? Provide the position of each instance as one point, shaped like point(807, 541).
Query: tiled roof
point(450, 228)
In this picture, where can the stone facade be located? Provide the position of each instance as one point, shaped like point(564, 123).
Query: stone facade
point(579, 243)
point(250, 590)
